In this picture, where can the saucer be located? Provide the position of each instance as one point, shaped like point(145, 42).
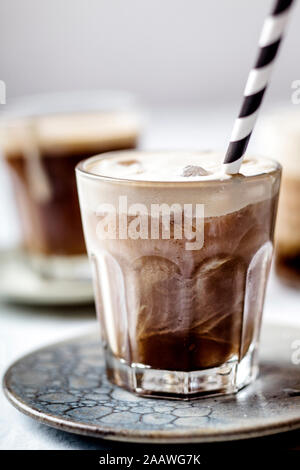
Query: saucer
point(20, 284)
point(65, 386)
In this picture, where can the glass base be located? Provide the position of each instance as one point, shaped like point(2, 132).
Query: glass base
point(67, 268)
point(225, 379)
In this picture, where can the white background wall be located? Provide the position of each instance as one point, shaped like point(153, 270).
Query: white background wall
point(169, 51)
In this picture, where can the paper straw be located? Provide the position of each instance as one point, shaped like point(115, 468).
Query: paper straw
point(256, 85)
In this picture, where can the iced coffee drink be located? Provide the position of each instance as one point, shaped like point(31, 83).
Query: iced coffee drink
point(41, 154)
point(181, 255)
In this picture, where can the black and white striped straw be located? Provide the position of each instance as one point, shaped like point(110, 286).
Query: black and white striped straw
point(256, 85)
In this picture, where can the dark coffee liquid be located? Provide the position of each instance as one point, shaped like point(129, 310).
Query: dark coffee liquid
point(53, 227)
point(205, 314)
point(191, 310)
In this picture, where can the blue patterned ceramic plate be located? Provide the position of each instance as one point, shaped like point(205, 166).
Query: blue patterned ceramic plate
point(65, 386)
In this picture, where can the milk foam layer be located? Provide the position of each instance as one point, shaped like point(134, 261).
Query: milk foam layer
point(173, 166)
point(156, 178)
point(65, 130)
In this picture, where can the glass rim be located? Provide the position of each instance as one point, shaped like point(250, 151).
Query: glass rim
point(81, 170)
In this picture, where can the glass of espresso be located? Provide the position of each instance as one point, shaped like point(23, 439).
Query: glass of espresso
point(42, 140)
point(181, 255)
point(280, 136)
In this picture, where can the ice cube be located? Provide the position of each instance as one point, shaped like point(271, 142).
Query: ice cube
point(194, 170)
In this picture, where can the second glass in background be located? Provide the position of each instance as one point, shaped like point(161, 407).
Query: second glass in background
point(279, 137)
point(42, 139)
